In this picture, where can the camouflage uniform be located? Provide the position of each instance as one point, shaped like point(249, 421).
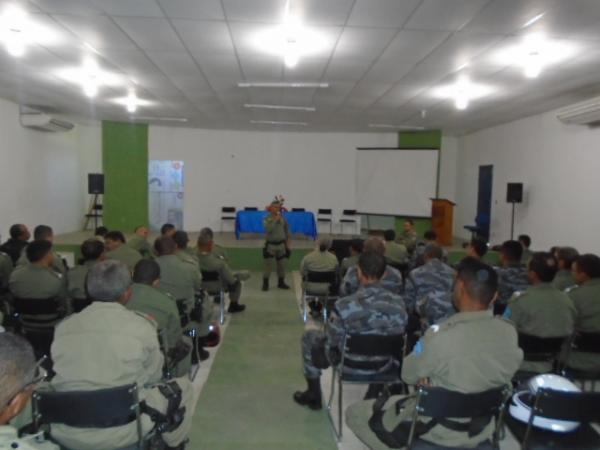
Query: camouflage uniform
point(277, 235)
point(371, 310)
point(391, 280)
point(429, 290)
point(587, 303)
point(418, 256)
point(563, 280)
point(511, 279)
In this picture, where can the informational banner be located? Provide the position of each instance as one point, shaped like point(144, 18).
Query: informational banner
point(165, 193)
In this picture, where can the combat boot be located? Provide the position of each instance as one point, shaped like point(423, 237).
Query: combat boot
point(281, 284)
point(312, 396)
point(265, 284)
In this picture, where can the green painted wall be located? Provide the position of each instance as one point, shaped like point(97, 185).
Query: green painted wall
point(125, 161)
point(420, 139)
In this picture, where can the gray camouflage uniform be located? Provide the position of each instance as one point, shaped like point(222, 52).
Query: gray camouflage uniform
point(429, 291)
point(371, 310)
point(391, 281)
point(511, 279)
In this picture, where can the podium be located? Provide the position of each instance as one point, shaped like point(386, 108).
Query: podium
point(442, 219)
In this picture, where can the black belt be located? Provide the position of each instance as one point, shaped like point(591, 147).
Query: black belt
point(275, 242)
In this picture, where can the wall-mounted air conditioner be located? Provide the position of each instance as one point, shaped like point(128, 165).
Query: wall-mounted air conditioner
point(583, 113)
point(43, 122)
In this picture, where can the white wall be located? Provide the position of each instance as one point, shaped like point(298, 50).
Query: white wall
point(448, 167)
point(560, 168)
point(41, 174)
point(240, 168)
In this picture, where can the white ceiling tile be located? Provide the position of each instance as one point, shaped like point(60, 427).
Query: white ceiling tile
point(150, 34)
point(262, 68)
point(346, 69)
point(75, 7)
point(175, 63)
point(132, 62)
point(319, 12)
point(363, 43)
point(295, 97)
point(193, 9)
point(365, 94)
point(448, 15)
point(398, 95)
point(204, 36)
point(136, 8)
point(268, 11)
point(382, 13)
point(98, 31)
point(307, 70)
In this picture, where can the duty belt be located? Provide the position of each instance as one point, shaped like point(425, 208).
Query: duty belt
point(275, 242)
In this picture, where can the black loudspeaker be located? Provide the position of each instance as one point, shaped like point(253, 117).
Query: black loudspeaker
point(95, 183)
point(514, 192)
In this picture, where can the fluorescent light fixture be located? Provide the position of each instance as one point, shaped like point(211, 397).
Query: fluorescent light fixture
point(132, 101)
point(533, 20)
point(462, 92)
point(18, 31)
point(90, 77)
point(396, 127)
point(283, 107)
point(277, 122)
point(299, 85)
point(161, 119)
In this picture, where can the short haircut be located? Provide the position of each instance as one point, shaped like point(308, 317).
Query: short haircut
point(42, 232)
point(372, 264)
point(480, 280)
point(115, 236)
point(146, 271)
point(166, 228)
point(568, 255)
point(17, 364)
point(480, 246)
point(181, 239)
point(512, 250)
point(389, 235)
point(204, 239)
point(164, 245)
point(433, 251)
point(357, 245)
point(138, 227)
point(92, 249)
point(324, 244)
point(589, 264)
point(409, 221)
point(108, 280)
point(17, 230)
point(544, 266)
point(101, 231)
point(525, 240)
point(207, 232)
point(374, 244)
point(36, 250)
point(430, 235)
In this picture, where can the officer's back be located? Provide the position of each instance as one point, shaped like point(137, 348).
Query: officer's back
point(319, 260)
point(92, 251)
point(177, 278)
point(565, 257)
point(512, 275)
point(118, 250)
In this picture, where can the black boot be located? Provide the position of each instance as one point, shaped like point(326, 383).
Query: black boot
point(312, 396)
point(265, 284)
point(281, 284)
point(235, 308)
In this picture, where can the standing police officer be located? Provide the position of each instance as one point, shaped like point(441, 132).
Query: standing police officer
point(277, 245)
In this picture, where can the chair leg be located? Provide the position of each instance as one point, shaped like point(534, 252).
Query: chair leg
point(304, 307)
point(340, 409)
point(334, 375)
point(222, 307)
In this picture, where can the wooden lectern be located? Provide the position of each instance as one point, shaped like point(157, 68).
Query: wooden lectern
point(442, 219)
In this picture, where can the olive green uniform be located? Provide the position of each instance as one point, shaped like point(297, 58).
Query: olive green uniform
point(587, 303)
point(230, 280)
point(563, 280)
point(396, 254)
point(526, 256)
point(106, 346)
point(6, 268)
point(318, 261)
point(156, 304)
point(9, 439)
point(142, 246)
point(469, 352)
point(126, 255)
point(187, 257)
point(277, 235)
point(58, 264)
point(349, 261)
point(408, 239)
point(36, 282)
point(76, 280)
point(542, 311)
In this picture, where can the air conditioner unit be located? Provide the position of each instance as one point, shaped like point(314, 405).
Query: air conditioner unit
point(43, 122)
point(584, 113)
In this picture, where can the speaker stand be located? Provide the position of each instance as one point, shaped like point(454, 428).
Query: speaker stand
point(512, 222)
point(94, 211)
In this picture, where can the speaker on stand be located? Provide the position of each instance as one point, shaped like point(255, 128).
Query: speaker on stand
point(95, 189)
point(514, 194)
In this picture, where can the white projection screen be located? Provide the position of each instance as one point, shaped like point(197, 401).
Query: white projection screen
point(396, 181)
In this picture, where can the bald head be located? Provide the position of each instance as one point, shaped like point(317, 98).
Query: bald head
point(17, 365)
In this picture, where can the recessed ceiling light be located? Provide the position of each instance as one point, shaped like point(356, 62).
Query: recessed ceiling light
point(18, 31)
point(284, 107)
point(283, 85)
point(533, 20)
point(277, 122)
point(90, 76)
point(462, 92)
point(132, 101)
point(396, 127)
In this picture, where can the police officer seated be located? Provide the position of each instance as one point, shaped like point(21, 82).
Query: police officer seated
point(472, 351)
point(525, 241)
point(92, 251)
point(45, 233)
point(565, 257)
point(477, 248)
point(19, 375)
point(117, 249)
point(356, 248)
point(319, 260)
point(371, 310)
point(512, 274)
point(107, 345)
point(391, 279)
point(183, 252)
point(395, 254)
point(542, 310)
point(139, 242)
point(148, 299)
point(168, 230)
point(430, 238)
point(13, 247)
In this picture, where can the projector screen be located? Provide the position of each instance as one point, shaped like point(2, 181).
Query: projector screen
point(395, 181)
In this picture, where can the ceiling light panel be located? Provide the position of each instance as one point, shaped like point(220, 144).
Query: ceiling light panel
point(280, 107)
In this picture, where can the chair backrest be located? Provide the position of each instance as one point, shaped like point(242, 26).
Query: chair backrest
point(329, 277)
point(586, 342)
point(441, 403)
point(349, 212)
point(228, 209)
point(375, 345)
point(540, 349)
point(36, 306)
point(298, 209)
point(250, 208)
point(103, 408)
point(210, 276)
point(574, 406)
point(326, 212)
point(79, 304)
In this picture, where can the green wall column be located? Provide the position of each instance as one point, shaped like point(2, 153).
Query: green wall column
point(125, 162)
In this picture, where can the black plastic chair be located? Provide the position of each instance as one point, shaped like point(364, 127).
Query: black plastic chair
point(324, 216)
point(250, 208)
point(572, 406)
point(227, 214)
point(103, 408)
point(441, 404)
point(588, 343)
point(214, 278)
point(298, 209)
point(537, 349)
point(389, 351)
point(330, 278)
point(36, 320)
point(349, 217)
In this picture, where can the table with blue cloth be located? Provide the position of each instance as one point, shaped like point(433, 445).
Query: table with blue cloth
point(252, 222)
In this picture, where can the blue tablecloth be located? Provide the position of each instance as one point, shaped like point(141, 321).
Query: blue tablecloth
point(252, 222)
